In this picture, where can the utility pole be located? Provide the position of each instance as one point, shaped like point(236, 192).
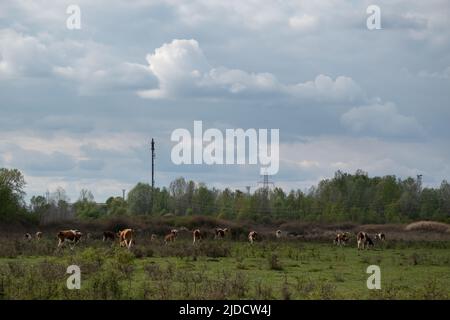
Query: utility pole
point(123, 194)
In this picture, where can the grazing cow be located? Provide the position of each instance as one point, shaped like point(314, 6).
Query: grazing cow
point(342, 238)
point(278, 234)
point(126, 238)
point(171, 236)
point(252, 236)
point(364, 240)
point(108, 235)
point(28, 236)
point(38, 235)
point(153, 237)
point(220, 233)
point(380, 236)
point(197, 236)
point(72, 236)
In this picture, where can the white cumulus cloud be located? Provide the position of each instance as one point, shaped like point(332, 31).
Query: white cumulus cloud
point(182, 70)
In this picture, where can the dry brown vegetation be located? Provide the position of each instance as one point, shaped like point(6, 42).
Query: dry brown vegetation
point(305, 231)
point(432, 226)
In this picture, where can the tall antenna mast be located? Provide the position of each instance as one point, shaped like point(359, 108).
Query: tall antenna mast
point(153, 164)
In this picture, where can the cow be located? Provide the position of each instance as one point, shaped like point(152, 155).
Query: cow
point(171, 236)
point(72, 236)
point(252, 236)
point(380, 236)
point(220, 233)
point(197, 236)
point(153, 238)
point(364, 241)
point(38, 235)
point(342, 238)
point(126, 238)
point(108, 235)
point(278, 234)
point(28, 236)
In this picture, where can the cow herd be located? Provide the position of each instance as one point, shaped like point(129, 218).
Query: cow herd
point(126, 237)
point(363, 239)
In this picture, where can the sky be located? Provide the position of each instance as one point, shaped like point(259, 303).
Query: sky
point(78, 107)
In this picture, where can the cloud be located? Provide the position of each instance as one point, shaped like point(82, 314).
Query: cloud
point(98, 70)
point(89, 65)
point(91, 164)
point(43, 163)
point(381, 119)
point(22, 55)
point(443, 74)
point(182, 70)
point(303, 22)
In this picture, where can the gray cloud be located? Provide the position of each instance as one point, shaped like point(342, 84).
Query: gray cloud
point(381, 119)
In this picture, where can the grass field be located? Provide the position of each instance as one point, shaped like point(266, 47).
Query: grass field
point(288, 269)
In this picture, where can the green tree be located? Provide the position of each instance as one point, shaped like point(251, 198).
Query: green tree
point(39, 207)
point(116, 206)
point(140, 199)
point(12, 184)
point(86, 207)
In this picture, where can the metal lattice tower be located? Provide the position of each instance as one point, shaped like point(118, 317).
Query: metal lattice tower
point(266, 182)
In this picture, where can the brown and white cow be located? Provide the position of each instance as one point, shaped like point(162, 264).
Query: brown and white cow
point(341, 238)
point(38, 235)
point(380, 236)
point(220, 233)
point(252, 236)
point(126, 238)
point(196, 235)
point(171, 236)
point(364, 241)
point(28, 236)
point(109, 235)
point(72, 236)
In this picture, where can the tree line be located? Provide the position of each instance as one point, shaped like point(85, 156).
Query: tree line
point(345, 197)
